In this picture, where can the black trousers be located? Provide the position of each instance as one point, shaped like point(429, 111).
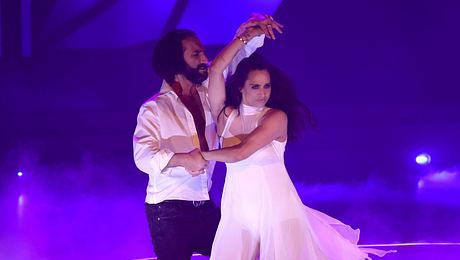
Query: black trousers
point(178, 228)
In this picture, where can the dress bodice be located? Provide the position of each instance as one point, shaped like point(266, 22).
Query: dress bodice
point(248, 118)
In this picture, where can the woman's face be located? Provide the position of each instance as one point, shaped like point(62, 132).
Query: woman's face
point(257, 88)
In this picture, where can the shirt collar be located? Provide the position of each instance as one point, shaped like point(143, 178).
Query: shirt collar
point(177, 90)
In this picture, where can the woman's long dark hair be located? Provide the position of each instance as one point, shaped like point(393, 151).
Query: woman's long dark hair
point(283, 95)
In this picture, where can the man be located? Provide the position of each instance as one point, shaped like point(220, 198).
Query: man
point(172, 127)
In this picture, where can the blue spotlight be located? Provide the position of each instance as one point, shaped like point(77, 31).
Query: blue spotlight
point(423, 159)
point(19, 174)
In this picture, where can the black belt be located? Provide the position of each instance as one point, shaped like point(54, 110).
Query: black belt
point(196, 203)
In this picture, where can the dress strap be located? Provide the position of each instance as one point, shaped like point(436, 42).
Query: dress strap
point(228, 123)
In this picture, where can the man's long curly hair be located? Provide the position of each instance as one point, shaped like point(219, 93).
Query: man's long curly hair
point(168, 55)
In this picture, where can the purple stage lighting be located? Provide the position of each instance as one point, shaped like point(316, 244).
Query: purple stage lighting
point(423, 159)
point(21, 200)
point(442, 177)
point(420, 184)
point(19, 174)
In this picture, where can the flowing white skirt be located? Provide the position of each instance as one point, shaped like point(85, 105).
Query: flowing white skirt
point(264, 218)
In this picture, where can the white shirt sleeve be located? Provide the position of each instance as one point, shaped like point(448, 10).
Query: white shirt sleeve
point(248, 49)
point(148, 155)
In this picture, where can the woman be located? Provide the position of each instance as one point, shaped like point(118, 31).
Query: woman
point(262, 214)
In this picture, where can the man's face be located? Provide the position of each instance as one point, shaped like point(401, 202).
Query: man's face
point(196, 62)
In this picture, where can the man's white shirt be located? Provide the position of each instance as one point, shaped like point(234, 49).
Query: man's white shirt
point(165, 127)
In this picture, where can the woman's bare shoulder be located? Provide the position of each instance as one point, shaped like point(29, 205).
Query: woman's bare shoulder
point(275, 114)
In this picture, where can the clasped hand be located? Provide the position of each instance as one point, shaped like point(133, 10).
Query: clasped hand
point(195, 163)
point(259, 24)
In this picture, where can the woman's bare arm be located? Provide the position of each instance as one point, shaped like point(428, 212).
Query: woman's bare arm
point(272, 127)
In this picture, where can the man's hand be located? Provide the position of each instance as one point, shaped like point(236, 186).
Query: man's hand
point(264, 22)
point(194, 163)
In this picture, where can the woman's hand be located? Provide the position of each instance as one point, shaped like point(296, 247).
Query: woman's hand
point(264, 22)
point(194, 163)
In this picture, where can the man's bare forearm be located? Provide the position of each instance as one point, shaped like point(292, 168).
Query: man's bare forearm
point(178, 159)
point(192, 161)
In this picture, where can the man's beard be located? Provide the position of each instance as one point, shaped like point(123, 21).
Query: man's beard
point(194, 75)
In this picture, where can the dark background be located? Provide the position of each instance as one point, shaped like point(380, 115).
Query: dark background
point(381, 78)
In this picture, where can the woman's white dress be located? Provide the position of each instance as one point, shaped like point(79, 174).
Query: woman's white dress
point(263, 216)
